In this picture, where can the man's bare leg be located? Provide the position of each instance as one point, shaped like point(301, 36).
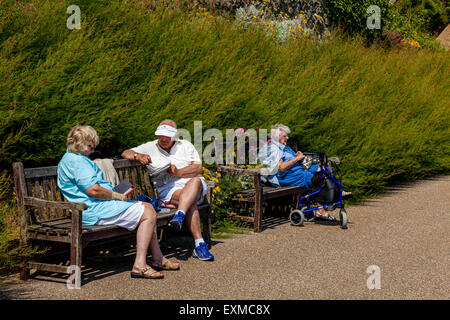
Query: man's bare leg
point(193, 221)
point(186, 200)
point(189, 195)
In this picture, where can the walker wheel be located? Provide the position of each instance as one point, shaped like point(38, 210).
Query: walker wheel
point(297, 217)
point(343, 218)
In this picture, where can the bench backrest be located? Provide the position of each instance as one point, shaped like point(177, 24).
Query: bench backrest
point(42, 183)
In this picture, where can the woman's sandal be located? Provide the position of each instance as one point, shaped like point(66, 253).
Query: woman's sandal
point(147, 273)
point(326, 217)
point(166, 264)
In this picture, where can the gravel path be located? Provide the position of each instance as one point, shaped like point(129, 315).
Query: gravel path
point(405, 233)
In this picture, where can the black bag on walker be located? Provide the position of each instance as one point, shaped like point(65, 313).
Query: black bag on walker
point(330, 190)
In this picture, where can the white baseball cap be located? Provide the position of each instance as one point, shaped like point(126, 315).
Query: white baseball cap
point(166, 130)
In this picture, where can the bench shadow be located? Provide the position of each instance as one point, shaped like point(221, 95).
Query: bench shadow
point(10, 291)
point(98, 265)
point(272, 221)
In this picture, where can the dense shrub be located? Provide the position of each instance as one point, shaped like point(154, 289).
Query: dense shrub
point(353, 15)
point(419, 20)
point(429, 15)
point(385, 113)
point(10, 250)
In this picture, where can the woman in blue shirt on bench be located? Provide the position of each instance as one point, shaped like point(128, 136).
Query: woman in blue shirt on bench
point(283, 164)
point(81, 180)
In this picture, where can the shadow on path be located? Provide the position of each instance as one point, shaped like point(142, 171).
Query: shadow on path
point(99, 265)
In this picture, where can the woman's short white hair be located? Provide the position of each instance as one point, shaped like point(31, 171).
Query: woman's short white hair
point(276, 130)
point(80, 137)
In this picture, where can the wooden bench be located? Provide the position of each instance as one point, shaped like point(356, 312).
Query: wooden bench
point(259, 194)
point(45, 214)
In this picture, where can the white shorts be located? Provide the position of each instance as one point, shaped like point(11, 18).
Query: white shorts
point(129, 219)
point(166, 191)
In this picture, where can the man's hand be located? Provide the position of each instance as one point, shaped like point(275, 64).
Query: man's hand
point(173, 170)
point(143, 158)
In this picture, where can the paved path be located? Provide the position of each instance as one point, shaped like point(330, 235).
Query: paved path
point(405, 233)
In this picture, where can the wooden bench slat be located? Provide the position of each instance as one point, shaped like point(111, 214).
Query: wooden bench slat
point(139, 181)
point(242, 218)
point(40, 172)
point(33, 201)
point(232, 170)
point(35, 235)
point(37, 194)
point(126, 174)
point(58, 212)
point(281, 193)
point(48, 267)
point(125, 163)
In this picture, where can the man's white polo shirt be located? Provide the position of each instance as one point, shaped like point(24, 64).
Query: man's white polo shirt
point(181, 155)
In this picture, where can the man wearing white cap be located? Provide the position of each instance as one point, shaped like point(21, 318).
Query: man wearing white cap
point(178, 186)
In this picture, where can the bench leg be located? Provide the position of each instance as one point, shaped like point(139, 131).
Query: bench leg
point(76, 246)
point(75, 260)
point(24, 271)
point(257, 217)
point(206, 233)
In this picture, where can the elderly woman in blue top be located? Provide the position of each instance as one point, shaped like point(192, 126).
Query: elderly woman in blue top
point(283, 167)
point(81, 180)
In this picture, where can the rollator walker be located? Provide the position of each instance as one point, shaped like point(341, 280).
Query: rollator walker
point(326, 192)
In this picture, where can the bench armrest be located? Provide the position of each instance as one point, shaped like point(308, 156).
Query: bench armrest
point(210, 185)
point(233, 170)
point(36, 202)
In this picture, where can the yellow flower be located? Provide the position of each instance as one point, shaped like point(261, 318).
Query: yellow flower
point(205, 170)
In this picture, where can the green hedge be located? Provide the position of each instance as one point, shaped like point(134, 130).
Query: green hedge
point(384, 112)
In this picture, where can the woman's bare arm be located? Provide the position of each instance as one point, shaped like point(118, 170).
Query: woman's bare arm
point(101, 193)
point(284, 166)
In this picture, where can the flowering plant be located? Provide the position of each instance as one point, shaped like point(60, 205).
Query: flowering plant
point(396, 39)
